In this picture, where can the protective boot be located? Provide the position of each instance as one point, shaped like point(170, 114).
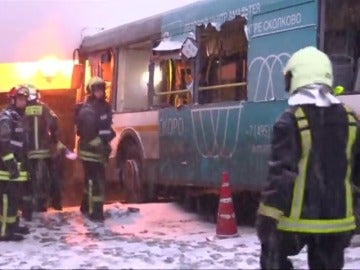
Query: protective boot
point(12, 237)
point(41, 205)
point(84, 207)
point(10, 234)
point(56, 203)
point(57, 206)
point(20, 229)
point(27, 212)
point(97, 214)
point(55, 196)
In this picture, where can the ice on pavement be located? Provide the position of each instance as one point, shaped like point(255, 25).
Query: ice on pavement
point(158, 236)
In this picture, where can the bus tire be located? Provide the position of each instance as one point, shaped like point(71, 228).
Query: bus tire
point(132, 176)
point(133, 192)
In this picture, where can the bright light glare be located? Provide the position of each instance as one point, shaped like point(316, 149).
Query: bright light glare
point(49, 67)
point(66, 67)
point(157, 77)
point(25, 70)
point(53, 74)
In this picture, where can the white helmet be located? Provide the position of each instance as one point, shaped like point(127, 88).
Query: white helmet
point(33, 92)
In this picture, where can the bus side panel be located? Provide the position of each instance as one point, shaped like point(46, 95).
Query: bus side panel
point(143, 129)
point(251, 159)
point(274, 35)
point(198, 143)
point(176, 148)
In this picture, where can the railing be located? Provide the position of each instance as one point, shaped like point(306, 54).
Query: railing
point(172, 92)
point(202, 88)
point(216, 87)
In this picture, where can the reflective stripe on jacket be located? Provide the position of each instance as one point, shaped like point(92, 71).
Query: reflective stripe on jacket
point(307, 209)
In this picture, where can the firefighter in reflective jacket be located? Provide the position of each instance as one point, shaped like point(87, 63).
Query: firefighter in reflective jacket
point(308, 197)
point(93, 121)
point(12, 165)
point(42, 132)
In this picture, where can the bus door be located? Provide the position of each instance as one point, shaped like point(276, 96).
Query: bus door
point(172, 93)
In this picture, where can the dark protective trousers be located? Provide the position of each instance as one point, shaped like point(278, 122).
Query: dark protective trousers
point(93, 197)
point(9, 205)
point(56, 183)
point(325, 251)
point(37, 189)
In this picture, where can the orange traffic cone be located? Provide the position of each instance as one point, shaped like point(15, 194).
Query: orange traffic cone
point(226, 220)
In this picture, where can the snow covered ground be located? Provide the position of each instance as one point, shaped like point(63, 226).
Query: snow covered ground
point(159, 236)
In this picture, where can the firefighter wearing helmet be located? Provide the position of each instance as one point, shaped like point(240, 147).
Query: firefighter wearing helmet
point(93, 122)
point(13, 174)
point(42, 133)
point(315, 149)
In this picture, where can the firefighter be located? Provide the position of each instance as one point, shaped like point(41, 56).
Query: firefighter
point(93, 121)
point(19, 148)
point(308, 197)
point(42, 132)
point(12, 165)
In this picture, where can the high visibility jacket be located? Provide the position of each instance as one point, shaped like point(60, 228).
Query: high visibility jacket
point(93, 121)
point(12, 144)
point(314, 150)
point(42, 129)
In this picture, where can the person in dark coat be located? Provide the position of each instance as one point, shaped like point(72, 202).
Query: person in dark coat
point(42, 131)
point(13, 168)
point(93, 121)
point(308, 199)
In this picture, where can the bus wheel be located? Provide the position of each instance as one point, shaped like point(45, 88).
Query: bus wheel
point(132, 181)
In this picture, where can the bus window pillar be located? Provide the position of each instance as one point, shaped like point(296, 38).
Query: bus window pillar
point(196, 69)
point(151, 89)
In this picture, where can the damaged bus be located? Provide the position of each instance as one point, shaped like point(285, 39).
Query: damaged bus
point(195, 91)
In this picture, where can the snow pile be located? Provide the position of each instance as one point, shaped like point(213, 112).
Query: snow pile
point(147, 236)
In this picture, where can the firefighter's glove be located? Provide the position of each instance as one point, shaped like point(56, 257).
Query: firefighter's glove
point(266, 228)
point(12, 167)
point(96, 142)
point(267, 220)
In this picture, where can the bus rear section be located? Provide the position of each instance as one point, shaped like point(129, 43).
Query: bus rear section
point(340, 39)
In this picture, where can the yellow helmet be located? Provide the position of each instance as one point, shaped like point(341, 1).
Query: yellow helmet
point(307, 66)
point(94, 81)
